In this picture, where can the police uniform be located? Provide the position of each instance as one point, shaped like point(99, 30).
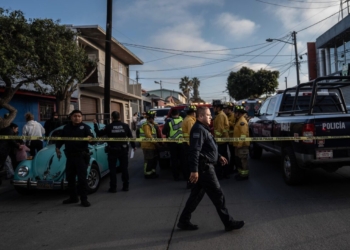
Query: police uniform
point(77, 153)
point(241, 147)
point(148, 130)
point(221, 128)
point(117, 151)
point(173, 129)
point(203, 145)
point(187, 125)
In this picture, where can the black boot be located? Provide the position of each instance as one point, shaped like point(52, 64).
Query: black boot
point(71, 200)
point(125, 186)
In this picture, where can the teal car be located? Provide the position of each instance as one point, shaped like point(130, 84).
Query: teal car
point(46, 171)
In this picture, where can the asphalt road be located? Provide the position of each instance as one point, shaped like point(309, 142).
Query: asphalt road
point(315, 215)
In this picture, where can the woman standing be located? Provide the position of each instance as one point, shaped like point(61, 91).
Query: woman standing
point(33, 128)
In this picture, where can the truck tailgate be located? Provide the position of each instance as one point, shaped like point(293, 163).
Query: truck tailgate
point(333, 126)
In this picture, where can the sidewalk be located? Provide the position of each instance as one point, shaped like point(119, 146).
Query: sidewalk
point(6, 186)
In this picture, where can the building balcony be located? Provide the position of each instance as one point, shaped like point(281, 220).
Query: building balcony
point(121, 86)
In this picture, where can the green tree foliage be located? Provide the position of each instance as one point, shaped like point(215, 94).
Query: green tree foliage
point(38, 51)
point(247, 83)
point(186, 86)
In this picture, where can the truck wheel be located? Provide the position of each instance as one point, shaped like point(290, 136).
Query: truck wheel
point(94, 179)
point(291, 172)
point(255, 151)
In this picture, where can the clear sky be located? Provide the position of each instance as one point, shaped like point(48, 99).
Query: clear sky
point(199, 38)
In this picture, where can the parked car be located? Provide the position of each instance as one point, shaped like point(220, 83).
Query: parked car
point(46, 171)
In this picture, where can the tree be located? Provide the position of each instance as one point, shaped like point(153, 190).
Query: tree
point(186, 86)
point(41, 52)
point(240, 84)
point(247, 83)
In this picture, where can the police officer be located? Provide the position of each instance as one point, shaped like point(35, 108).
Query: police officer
point(78, 157)
point(187, 125)
point(148, 130)
point(241, 147)
point(117, 150)
point(221, 128)
point(173, 130)
point(228, 110)
point(204, 154)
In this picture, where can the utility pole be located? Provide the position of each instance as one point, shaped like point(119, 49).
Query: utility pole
point(137, 76)
point(285, 79)
point(107, 87)
point(296, 55)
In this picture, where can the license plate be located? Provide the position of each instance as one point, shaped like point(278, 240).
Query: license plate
point(324, 154)
point(44, 185)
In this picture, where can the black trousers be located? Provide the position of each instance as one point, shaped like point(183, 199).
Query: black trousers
point(123, 163)
point(76, 166)
point(209, 184)
point(35, 146)
point(232, 157)
point(222, 171)
point(176, 160)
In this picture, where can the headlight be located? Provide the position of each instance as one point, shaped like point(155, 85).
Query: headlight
point(23, 171)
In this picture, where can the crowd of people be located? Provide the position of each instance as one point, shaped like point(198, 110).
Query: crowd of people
point(14, 151)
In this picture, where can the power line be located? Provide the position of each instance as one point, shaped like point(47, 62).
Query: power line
point(291, 7)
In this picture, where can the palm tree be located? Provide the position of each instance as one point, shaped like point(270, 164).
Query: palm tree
point(195, 83)
point(186, 86)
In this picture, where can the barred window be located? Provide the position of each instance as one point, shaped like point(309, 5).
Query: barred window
point(46, 109)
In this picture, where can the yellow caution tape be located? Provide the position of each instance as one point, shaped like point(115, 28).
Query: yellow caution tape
point(105, 139)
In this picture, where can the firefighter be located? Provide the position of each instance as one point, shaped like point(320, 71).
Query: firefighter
point(241, 147)
point(221, 128)
point(187, 124)
point(148, 130)
point(173, 130)
point(228, 109)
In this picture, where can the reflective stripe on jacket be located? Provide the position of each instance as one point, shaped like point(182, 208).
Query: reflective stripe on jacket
point(187, 125)
point(241, 129)
point(148, 131)
point(221, 125)
point(175, 126)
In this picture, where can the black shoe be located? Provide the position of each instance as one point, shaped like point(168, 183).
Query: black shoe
point(125, 187)
point(112, 190)
point(85, 203)
point(241, 178)
point(187, 226)
point(71, 200)
point(236, 224)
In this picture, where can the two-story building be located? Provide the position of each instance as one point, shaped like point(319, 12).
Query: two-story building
point(125, 93)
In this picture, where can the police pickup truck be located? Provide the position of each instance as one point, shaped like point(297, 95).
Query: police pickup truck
point(316, 108)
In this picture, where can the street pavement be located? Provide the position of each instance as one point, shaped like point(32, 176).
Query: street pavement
point(315, 215)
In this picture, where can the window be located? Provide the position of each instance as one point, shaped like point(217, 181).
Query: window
point(271, 106)
point(46, 109)
point(121, 72)
point(263, 108)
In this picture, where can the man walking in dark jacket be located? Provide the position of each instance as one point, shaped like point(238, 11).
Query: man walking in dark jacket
point(204, 152)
